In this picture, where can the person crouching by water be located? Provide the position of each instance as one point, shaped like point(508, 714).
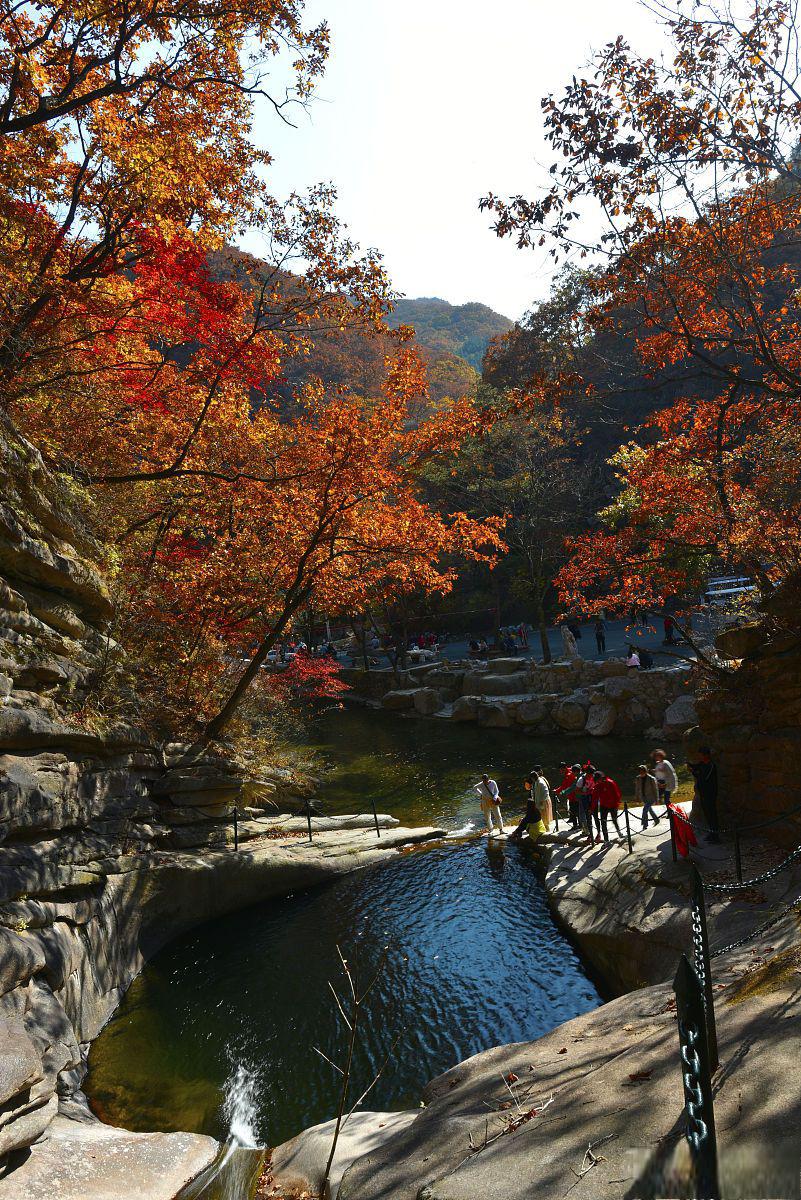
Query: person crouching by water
point(532, 817)
point(490, 799)
point(646, 793)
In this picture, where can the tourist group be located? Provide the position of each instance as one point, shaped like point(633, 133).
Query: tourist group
point(592, 798)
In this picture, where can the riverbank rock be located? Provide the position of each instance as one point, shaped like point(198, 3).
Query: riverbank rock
point(680, 716)
point(398, 701)
point(571, 714)
point(427, 701)
point(601, 718)
point(465, 708)
point(514, 1122)
point(86, 1160)
point(300, 1164)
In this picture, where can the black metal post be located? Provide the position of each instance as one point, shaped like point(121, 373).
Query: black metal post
point(308, 818)
point(671, 819)
point(628, 825)
point(738, 861)
point(375, 817)
point(236, 829)
point(702, 963)
point(697, 1079)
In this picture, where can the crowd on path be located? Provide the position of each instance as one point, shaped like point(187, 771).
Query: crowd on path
point(590, 798)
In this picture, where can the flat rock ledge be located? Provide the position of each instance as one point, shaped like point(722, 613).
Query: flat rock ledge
point(63, 973)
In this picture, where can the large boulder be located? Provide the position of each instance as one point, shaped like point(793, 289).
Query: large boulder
point(622, 687)
point(570, 714)
point(532, 712)
point(601, 719)
point(509, 666)
point(399, 701)
point(680, 716)
point(499, 685)
point(427, 701)
point(495, 716)
point(465, 708)
point(299, 1164)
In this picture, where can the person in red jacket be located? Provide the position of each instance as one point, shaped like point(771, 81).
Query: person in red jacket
point(565, 790)
point(607, 795)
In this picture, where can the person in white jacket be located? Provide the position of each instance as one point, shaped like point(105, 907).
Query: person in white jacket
point(490, 799)
point(666, 778)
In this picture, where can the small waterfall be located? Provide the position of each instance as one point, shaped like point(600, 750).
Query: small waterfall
point(239, 1106)
point(236, 1171)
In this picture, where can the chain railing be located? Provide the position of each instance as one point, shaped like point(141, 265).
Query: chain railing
point(757, 825)
point(696, 1074)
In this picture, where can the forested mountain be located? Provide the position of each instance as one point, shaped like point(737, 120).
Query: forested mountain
point(463, 329)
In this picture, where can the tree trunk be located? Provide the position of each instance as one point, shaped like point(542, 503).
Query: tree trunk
point(543, 628)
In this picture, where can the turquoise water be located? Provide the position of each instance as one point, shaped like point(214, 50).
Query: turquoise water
point(473, 958)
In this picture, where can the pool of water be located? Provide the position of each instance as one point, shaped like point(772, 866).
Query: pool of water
point(223, 1026)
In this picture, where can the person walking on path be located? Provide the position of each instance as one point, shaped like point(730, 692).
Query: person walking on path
point(666, 778)
point(532, 817)
point(646, 793)
point(600, 635)
point(705, 774)
point(606, 794)
point(588, 810)
point(542, 796)
point(490, 799)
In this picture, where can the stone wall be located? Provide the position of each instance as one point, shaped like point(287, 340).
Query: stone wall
point(751, 715)
point(578, 697)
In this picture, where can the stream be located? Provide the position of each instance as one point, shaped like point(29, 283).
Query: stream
point(220, 1029)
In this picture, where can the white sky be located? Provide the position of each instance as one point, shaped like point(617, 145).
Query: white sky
point(425, 106)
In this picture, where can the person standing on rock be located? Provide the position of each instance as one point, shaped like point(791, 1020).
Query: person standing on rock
point(606, 795)
point(542, 796)
point(566, 791)
point(532, 818)
point(646, 793)
point(666, 778)
point(490, 799)
point(705, 774)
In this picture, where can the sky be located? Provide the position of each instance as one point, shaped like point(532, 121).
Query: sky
point(425, 106)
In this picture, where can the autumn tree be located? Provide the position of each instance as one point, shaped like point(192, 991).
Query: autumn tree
point(146, 359)
point(689, 164)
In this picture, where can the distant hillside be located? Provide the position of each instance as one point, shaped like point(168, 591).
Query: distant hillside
point(461, 329)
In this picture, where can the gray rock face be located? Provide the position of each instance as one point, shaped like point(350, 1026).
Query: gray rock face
point(466, 708)
point(84, 1160)
point(427, 701)
point(680, 716)
point(398, 701)
point(495, 716)
point(570, 715)
point(300, 1163)
point(532, 712)
point(601, 718)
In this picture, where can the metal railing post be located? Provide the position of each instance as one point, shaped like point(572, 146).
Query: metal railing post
point(308, 818)
point(738, 861)
point(628, 825)
point(702, 963)
point(375, 817)
point(236, 829)
point(697, 1080)
point(671, 820)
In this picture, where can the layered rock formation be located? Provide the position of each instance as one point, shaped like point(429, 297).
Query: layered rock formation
point(578, 697)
